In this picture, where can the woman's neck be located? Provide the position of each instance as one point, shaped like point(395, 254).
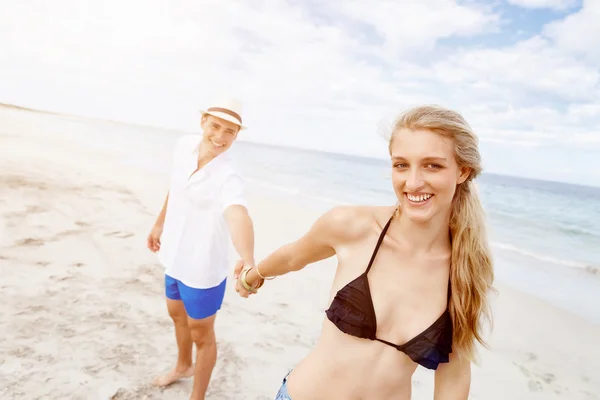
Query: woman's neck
point(425, 236)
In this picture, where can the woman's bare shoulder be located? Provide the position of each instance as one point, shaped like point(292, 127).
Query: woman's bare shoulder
point(353, 222)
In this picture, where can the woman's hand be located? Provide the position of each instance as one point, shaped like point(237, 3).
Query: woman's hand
point(248, 281)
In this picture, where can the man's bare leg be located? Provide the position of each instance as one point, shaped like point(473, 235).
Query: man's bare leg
point(203, 335)
point(184, 367)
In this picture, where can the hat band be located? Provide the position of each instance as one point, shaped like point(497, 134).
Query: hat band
point(226, 111)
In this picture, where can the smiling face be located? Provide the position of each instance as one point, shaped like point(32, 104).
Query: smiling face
point(219, 134)
point(424, 173)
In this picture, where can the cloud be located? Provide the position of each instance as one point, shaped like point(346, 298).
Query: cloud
point(411, 27)
point(579, 33)
point(533, 65)
point(312, 74)
point(552, 4)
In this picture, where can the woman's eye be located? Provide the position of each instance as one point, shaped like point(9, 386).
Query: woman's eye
point(434, 166)
point(401, 165)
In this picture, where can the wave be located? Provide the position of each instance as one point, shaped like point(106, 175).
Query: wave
point(562, 227)
point(594, 270)
point(576, 230)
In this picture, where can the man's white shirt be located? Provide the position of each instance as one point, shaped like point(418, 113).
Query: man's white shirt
point(195, 240)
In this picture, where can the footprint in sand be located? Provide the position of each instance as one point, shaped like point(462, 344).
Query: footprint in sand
point(92, 369)
point(44, 359)
point(226, 376)
point(30, 242)
point(524, 370)
point(133, 281)
point(270, 347)
point(535, 379)
point(149, 269)
point(119, 354)
point(22, 352)
point(35, 209)
point(61, 278)
point(122, 306)
point(124, 191)
point(119, 234)
point(142, 392)
point(548, 378)
point(109, 315)
point(67, 233)
point(535, 386)
point(66, 331)
point(38, 308)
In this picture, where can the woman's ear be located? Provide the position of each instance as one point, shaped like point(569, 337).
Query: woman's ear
point(465, 172)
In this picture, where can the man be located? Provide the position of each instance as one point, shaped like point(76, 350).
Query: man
point(203, 210)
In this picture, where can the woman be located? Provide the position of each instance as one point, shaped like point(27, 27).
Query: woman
point(412, 279)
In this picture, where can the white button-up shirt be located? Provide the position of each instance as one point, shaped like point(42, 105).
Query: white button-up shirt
point(195, 240)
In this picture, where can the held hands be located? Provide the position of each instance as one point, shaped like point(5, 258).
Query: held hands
point(248, 281)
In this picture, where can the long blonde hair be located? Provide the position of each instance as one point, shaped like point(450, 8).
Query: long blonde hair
point(471, 270)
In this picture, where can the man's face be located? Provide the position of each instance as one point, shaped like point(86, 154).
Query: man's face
point(219, 134)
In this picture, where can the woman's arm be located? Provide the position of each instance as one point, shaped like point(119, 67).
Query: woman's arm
point(319, 243)
point(453, 380)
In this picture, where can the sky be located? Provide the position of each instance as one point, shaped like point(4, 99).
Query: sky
point(324, 75)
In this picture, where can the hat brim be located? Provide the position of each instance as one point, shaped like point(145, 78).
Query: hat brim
point(224, 116)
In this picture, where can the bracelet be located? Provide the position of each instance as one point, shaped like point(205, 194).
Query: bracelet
point(243, 280)
point(245, 283)
point(259, 274)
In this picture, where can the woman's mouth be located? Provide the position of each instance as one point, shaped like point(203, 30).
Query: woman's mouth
point(418, 198)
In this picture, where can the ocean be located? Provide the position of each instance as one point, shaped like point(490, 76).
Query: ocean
point(545, 236)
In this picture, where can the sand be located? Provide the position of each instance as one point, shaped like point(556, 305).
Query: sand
point(83, 313)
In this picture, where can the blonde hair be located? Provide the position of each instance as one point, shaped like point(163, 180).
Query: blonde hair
point(471, 270)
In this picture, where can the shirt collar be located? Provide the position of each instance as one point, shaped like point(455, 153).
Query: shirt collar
point(220, 157)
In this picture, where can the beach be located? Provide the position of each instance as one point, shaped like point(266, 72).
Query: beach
point(83, 311)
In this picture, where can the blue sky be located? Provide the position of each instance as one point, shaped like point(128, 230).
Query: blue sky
point(525, 73)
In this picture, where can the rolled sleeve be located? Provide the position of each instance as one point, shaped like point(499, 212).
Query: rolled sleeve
point(233, 192)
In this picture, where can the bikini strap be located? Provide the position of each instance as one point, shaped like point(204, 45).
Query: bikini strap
point(379, 241)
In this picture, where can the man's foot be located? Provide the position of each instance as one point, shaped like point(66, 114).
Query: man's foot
point(173, 376)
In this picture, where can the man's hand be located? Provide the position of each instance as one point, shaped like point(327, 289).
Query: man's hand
point(153, 241)
point(237, 270)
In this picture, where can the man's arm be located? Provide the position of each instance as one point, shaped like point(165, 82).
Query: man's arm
point(242, 232)
point(153, 240)
point(160, 220)
point(453, 379)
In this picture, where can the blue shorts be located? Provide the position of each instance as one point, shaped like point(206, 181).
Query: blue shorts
point(198, 303)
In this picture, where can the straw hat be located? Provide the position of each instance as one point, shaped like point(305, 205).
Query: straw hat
point(226, 108)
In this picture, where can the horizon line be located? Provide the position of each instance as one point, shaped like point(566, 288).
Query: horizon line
point(306, 149)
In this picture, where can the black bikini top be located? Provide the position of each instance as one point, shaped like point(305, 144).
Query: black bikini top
point(353, 313)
